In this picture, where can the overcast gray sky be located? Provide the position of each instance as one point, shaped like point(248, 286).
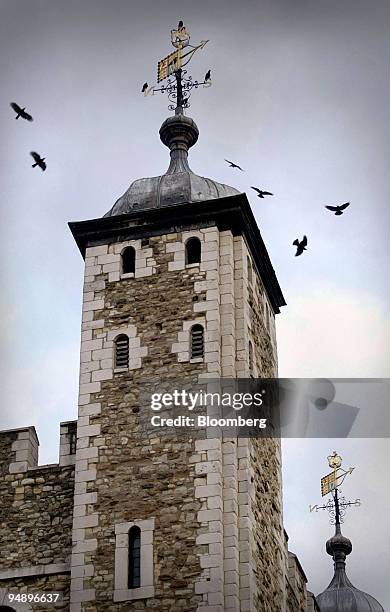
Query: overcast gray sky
point(300, 99)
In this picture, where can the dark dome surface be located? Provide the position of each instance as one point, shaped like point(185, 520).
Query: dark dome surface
point(341, 595)
point(179, 184)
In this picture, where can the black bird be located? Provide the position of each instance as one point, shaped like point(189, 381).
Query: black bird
point(262, 193)
point(233, 165)
point(39, 161)
point(208, 76)
point(301, 246)
point(20, 112)
point(338, 210)
point(144, 87)
point(180, 25)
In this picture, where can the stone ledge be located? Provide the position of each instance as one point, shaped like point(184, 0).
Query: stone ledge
point(128, 594)
point(35, 570)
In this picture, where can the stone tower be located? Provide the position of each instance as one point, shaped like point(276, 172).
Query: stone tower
point(175, 253)
point(179, 291)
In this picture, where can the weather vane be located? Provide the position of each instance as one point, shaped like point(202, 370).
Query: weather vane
point(179, 85)
point(330, 485)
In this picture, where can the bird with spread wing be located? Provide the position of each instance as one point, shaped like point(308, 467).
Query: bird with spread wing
point(233, 165)
point(261, 193)
point(301, 245)
point(338, 210)
point(21, 112)
point(39, 161)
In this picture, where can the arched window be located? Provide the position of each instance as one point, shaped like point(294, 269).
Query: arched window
point(250, 357)
point(134, 558)
point(193, 251)
point(122, 351)
point(128, 260)
point(197, 341)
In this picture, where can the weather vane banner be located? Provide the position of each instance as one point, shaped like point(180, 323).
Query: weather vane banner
point(167, 66)
point(289, 408)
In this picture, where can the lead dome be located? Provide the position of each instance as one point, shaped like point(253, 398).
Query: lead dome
point(179, 185)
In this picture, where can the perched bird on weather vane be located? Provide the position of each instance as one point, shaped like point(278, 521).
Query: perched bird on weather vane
point(178, 85)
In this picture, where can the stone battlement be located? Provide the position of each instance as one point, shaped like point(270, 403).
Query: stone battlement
point(19, 448)
point(36, 512)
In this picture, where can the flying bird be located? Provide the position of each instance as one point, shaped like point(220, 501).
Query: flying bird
point(233, 165)
point(261, 193)
point(338, 210)
point(20, 112)
point(301, 246)
point(208, 76)
point(144, 87)
point(39, 161)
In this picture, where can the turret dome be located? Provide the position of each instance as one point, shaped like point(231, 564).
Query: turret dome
point(341, 595)
point(179, 185)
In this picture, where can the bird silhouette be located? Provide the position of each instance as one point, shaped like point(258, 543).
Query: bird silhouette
point(39, 161)
point(20, 112)
point(338, 210)
point(144, 87)
point(233, 165)
point(207, 76)
point(180, 25)
point(261, 193)
point(301, 246)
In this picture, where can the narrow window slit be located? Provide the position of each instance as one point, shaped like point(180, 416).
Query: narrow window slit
point(122, 352)
point(134, 579)
point(197, 341)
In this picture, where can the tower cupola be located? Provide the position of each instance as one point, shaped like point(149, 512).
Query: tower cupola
point(179, 184)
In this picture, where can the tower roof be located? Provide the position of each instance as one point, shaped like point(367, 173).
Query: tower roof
point(179, 185)
point(341, 595)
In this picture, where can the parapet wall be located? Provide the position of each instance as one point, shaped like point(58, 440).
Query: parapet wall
point(36, 513)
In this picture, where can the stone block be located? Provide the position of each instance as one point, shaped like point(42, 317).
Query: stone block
point(207, 586)
point(209, 538)
point(102, 375)
point(80, 596)
point(85, 475)
point(205, 516)
point(207, 444)
point(83, 522)
point(96, 250)
point(89, 430)
point(209, 561)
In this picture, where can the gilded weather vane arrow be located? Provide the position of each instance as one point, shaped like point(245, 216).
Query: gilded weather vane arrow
point(330, 485)
point(179, 85)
